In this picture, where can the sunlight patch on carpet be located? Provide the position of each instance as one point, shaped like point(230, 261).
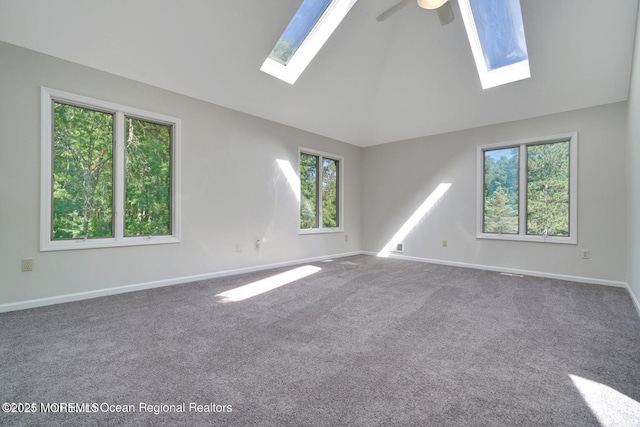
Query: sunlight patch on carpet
point(609, 406)
point(265, 285)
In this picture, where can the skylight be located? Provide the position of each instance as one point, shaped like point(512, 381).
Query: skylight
point(496, 35)
point(298, 29)
point(307, 32)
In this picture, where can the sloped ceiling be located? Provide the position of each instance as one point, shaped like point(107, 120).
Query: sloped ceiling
point(372, 83)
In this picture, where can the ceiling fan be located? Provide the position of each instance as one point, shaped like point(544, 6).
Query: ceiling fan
point(443, 7)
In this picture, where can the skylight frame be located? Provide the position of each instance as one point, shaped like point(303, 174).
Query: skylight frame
point(496, 77)
point(311, 45)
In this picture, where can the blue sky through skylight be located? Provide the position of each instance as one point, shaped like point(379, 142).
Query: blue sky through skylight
point(298, 29)
point(308, 30)
point(501, 32)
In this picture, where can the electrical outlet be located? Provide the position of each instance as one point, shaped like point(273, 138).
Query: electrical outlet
point(445, 243)
point(346, 237)
point(27, 264)
point(238, 247)
point(584, 253)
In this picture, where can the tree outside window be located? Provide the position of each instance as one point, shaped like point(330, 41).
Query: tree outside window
point(319, 191)
point(529, 190)
point(108, 174)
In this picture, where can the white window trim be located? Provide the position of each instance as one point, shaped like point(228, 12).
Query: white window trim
point(522, 194)
point(46, 180)
point(499, 76)
point(322, 230)
point(311, 45)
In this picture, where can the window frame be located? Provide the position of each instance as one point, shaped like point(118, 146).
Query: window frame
point(321, 156)
point(522, 145)
point(496, 77)
point(311, 45)
point(120, 113)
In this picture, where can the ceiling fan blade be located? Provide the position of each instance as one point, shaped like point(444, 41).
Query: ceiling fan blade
point(445, 13)
point(392, 10)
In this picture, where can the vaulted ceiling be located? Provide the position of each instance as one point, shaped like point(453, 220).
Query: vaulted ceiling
point(372, 83)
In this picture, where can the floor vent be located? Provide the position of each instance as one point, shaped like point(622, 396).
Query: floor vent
point(511, 274)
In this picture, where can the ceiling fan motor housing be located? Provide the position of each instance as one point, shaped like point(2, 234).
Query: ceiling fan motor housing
point(431, 4)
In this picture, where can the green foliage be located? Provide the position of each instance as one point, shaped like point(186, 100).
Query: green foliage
point(499, 216)
point(501, 191)
point(548, 189)
point(83, 197)
point(308, 191)
point(82, 173)
point(282, 51)
point(330, 193)
point(309, 180)
point(148, 178)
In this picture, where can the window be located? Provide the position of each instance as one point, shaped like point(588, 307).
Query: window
point(307, 32)
point(298, 29)
point(496, 35)
point(320, 192)
point(109, 174)
point(527, 190)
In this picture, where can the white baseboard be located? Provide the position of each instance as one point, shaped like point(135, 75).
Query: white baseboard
point(41, 302)
point(579, 279)
point(636, 303)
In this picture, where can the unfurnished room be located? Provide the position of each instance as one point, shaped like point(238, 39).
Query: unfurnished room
point(320, 213)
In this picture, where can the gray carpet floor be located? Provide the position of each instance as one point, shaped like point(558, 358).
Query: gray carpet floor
point(363, 342)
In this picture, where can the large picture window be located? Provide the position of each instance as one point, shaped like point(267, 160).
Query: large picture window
point(109, 174)
point(320, 192)
point(527, 190)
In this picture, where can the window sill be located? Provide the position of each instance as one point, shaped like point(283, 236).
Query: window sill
point(67, 245)
point(536, 239)
point(321, 230)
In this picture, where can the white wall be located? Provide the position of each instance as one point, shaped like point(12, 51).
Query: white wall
point(232, 188)
point(233, 191)
point(398, 177)
point(633, 176)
